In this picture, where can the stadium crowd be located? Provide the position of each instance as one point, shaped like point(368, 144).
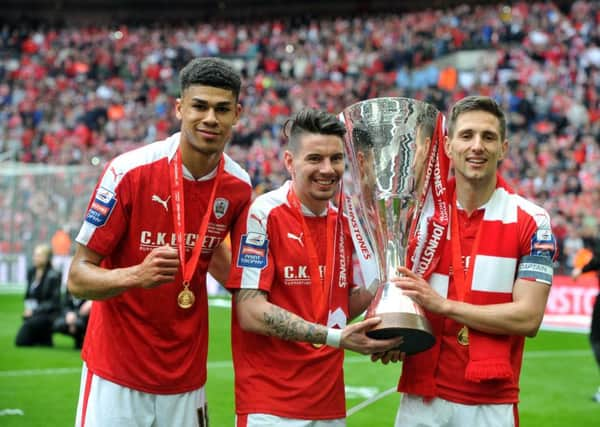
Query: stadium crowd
point(80, 95)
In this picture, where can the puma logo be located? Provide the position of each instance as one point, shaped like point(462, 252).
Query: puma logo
point(298, 238)
point(155, 198)
point(115, 174)
point(257, 219)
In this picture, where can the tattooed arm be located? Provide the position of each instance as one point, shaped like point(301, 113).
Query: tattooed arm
point(256, 314)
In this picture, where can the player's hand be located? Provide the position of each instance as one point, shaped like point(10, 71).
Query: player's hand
point(70, 318)
point(85, 308)
point(160, 266)
point(419, 290)
point(386, 357)
point(354, 338)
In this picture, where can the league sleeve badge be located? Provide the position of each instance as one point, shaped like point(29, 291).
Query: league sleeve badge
point(101, 208)
point(253, 251)
point(543, 243)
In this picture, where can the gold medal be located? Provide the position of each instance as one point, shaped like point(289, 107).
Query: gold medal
point(463, 336)
point(186, 298)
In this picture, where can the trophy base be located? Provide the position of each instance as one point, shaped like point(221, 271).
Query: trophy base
point(415, 330)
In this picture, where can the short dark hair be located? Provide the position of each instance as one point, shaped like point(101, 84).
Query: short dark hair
point(212, 72)
point(427, 119)
point(361, 138)
point(477, 103)
point(309, 120)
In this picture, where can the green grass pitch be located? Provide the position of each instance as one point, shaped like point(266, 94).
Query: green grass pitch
point(39, 387)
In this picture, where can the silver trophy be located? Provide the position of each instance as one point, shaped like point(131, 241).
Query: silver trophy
point(392, 146)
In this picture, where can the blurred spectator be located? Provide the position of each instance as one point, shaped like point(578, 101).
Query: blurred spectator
point(80, 96)
point(61, 259)
point(571, 247)
point(73, 319)
point(593, 244)
point(42, 300)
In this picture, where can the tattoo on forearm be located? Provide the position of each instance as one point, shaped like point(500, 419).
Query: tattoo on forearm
point(283, 324)
point(288, 326)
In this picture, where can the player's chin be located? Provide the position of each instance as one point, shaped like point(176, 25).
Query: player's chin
point(324, 194)
point(209, 147)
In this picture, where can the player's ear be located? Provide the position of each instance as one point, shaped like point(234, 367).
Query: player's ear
point(178, 109)
point(447, 146)
point(288, 161)
point(238, 113)
point(503, 149)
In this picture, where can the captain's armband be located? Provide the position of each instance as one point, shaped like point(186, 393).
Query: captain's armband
point(537, 268)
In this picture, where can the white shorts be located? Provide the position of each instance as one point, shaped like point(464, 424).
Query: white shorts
point(103, 403)
point(438, 412)
point(267, 420)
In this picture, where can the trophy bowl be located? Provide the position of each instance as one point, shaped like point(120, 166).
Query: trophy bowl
point(393, 147)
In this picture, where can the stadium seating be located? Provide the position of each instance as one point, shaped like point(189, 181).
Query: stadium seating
point(80, 95)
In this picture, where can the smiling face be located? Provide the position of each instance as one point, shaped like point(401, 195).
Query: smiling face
point(316, 167)
point(476, 147)
point(207, 116)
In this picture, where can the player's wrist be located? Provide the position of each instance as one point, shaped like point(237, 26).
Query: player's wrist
point(447, 308)
point(132, 277)
point(334, 337)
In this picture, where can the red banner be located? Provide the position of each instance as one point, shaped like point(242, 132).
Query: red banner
point(570, 303)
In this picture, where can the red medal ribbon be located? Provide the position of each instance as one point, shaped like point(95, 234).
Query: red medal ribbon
point(462, 282)
point(320, 287)
point(176, 175)
point(425, 246)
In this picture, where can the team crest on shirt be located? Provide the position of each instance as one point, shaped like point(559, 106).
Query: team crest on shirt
point(220, 207)
point(253, 251)
point(101, 208)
